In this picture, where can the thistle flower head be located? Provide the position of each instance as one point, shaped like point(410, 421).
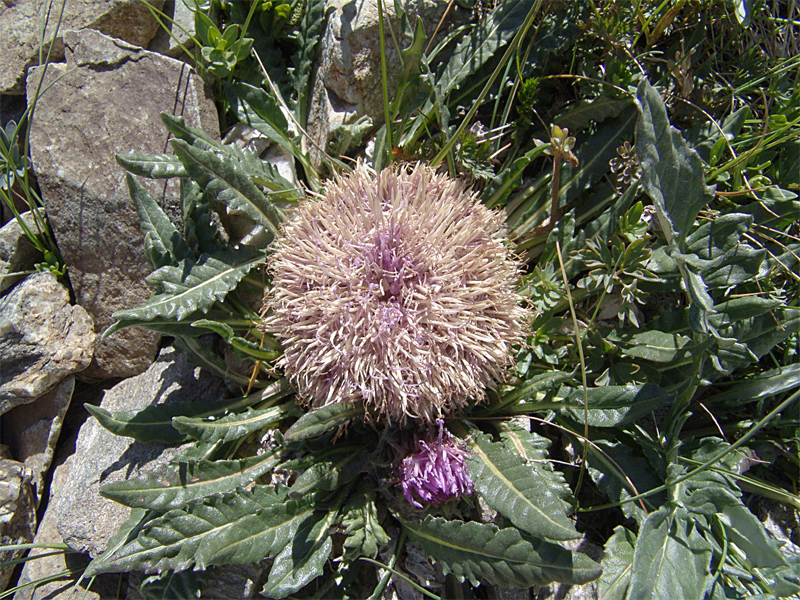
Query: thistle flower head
point(436, 473)
point(394, 290)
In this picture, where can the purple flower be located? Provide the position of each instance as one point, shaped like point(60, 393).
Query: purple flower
point(397, 291)
point(436, 473)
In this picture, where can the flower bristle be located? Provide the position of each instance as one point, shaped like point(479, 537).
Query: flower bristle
point(396, 290)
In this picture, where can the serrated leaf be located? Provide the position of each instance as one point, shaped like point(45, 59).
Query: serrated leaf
point(193, 285)
point(186, 481)
point(615, 405)
point(234, 426)
point(365, 536)
point(225, 182)
point(199, 229)
point(673, 174)
point(617, 565)
point(530, 446)
point(163, 244)
point(672, 560)
point(531, 499)
point(191, 135)
point(482, 551)
point(303, 559)
point(256, 108)
point(154, 166)
point(186, 585)
point(322, 420)
point(232, 528)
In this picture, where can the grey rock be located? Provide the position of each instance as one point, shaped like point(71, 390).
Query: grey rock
point(85, 520)
point(17, 514)
point(348, 82)
point(179, 24)
point(16, 252)
point(107, 101)
point(32, 430)
point(129, 20)
point(66, 588)
point(42, 339)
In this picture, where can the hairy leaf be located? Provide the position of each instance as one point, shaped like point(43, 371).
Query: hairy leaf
point(154, 166)
point(182, 482)
point(330, 470)
point(303, 559)
point(322, 420)
point(672, 560)
point(519, 491)
point(673, 173)
point(365, 536)
point(617, 565)
point(234, 426)
point(482, 551)
point(199, 229)
point(309, 34)
point(763, 386)
point(163, 245)
point(656, 346)
point(614, 405)
point(226, 182)
point(259, 110)
point(193, 285)
point(191, 135)
point(233, 528)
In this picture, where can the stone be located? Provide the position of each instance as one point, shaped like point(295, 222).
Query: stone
point(17, 514)
point(20, 20)
point(348, 84)
point(65, 588)
point(16, 251)
point(42, 339)
point(32, 430)
point(176, 31)
point(85, 520)
point(107, 101)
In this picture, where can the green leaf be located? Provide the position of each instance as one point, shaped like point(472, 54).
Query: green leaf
point(186, 585)
point(232, 528)
point(163, 245)
point(656, 346)
point(617, 565)
point(365, 536)
point(309, 34)
point(673, 173)
point(203, 356)
point(765, 385)
point(328, 473)
point(519, 491)
point(199, 229)
point(193, 286)
point(182, 482)
point(322, 420)
point(154, 166)
point(585, 112)
point(303, 559)
point(234, 426)
point(225, 182)
point(672, 560)
point(154, 423)
point(536, 388)
point(191, 135)
point(254, 107)
point(482, 551)
point(615, 405)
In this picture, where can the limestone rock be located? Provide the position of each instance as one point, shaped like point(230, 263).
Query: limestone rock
point(17, 513)
point(32, 430)
point(129, 20)
point(85, 520)
point(16, 252)
point(107, 101)
point(42, 339)
point(348, 82)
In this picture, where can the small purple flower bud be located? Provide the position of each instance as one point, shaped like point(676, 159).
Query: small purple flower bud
point(436, 473)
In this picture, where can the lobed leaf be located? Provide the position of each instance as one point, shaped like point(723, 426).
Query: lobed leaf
point(617, 565)
point(505, 557)
point(532, 500)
